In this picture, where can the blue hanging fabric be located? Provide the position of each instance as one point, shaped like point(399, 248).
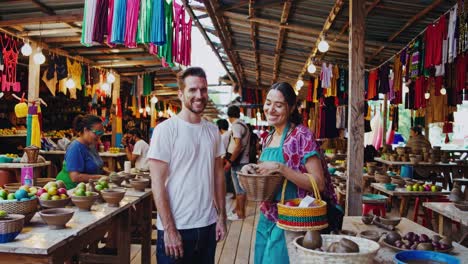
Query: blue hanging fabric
point(158, 26)
point(118, 22)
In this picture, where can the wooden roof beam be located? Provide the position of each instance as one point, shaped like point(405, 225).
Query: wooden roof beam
point(279, 42)
point(326, 26)
point(224, 36)
point(128, 63)
point(62, 39)
point(368, 10)
point(406, 25)
point(46, 32)
point(77, 17)
point(253, 39)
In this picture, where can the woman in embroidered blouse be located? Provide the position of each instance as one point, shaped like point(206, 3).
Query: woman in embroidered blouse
point(291, 150)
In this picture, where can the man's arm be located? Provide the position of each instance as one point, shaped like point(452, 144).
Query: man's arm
point(173, 241)
point(220, 199)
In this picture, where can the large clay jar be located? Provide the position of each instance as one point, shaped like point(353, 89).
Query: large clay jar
point(312, 240)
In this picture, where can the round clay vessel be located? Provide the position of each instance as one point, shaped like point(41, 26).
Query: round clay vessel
point(113, 196)
point(139, 184)
point(370, 234)
point(117, 179)
point(56, 218)
point(393, 221)
point(84, 203)
point(54, 203)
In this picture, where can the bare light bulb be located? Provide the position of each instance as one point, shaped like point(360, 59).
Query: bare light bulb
point(160, 114)
point(39, 58)
point(427, 95)
point(311, 68)
point(323, 46)
point(141, 110)
point(154, 100)
point(26, 50)
point(443, 91)
point(405, 89)
point(70, 83)
point(299, 84)
point(105, 87)
point(148, 109)
point(110, 77)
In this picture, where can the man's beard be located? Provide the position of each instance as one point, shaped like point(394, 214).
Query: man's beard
point(189, 106)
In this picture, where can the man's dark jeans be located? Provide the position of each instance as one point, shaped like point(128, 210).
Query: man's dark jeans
point(199, 246)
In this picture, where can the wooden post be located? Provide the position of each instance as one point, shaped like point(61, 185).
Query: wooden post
point(385, 106)
point(115, 96)
point(355, 161)
point(33, 75)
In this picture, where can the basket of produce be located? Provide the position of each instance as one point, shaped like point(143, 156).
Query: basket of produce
point(332, 249)
point(413, 241)
point(258, 187)
point(23, 202)
point(10, 226)
point(53, 195)
point(296, 216)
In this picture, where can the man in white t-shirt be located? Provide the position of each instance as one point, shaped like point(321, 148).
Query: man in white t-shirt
point(185, 159)
point(140, 150)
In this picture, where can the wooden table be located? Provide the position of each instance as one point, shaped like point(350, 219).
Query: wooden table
point(424, 168)
point(404, 195)
point(112, 159)
point(386, 254)
point(17, 166)
point(38, 244)
point(446, 213)
point(56, 157)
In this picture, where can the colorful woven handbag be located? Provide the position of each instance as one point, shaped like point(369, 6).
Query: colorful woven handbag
point(297, 219)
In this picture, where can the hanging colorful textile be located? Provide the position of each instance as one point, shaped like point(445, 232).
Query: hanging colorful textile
point(33, 128)
point(118, 23)
point(52, 83)
point(165, 51)
point(100, 22)
point(147, 84)
point(110, 19)
point(159, 21)
point(133, 8)
point(182, 36)
point(144, 22)
point(372, 85)
point(118, 123)
point(10, 57)
point(310, 90)
point(89, 15)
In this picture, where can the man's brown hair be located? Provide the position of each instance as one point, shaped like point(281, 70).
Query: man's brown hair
point(191, 71)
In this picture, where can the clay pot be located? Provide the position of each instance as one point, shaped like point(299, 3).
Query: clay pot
point(56, 218)
point(367, 219)
point(394, 221)
point(54, 203)
point(84, 203)
point(370, 234)
point(113, 196)
point(312, 240)
point(139, 184)
point(117, 179)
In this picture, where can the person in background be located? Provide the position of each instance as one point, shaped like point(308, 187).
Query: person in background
point(223, 126)
point(82, 161)
point(140, 149)
point(240, 139)
point(188, 179)
point(128, 120)
point(417, 141)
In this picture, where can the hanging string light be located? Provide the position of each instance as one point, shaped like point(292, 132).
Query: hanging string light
point(154, 100)
point(323, 45)
point(311, 68)
point(70, 83)
point(106, 87)
point(443, 91)
point(110, 77)
point(299, 84)
point(427, 95)
point(141, 110)
point(39, 57)
point(26, 50)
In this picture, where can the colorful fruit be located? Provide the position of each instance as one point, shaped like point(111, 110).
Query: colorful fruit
point(87, 193)
point(62, 191)
point(45, 196)
point(434, 188)
point(3, 194)
point(20, 194)
point(79, 192)
point(32, 190)
point(41, 191)
point(63, 196)
point(409, 188)
point(55, 197)
point(11, 196)
point(52, 191)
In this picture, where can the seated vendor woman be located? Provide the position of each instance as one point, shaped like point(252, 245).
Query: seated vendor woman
point(82, 161)
point(291, 150)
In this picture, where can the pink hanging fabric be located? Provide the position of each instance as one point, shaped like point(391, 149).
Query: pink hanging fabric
point(110, 17)
point(153, 49)
point(133, 9)
point(10, 60)
point(181, 46)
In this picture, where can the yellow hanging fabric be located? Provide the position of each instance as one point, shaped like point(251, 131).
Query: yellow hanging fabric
point(36, 132)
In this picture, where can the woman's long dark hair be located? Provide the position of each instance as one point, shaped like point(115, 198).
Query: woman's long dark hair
point(291, 98)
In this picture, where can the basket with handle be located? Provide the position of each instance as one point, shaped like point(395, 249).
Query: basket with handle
point(297, 219)
point(258, 187)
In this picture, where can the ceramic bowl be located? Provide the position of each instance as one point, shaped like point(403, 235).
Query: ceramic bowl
point(139, 184)
point(117, 179)
point(462, 205)
point(393, 221)
point(84, 203)
point(56, 218)
point(367, 219)
point(113, 196)
point(390, 186)
point(54, 203)
point(370, 234)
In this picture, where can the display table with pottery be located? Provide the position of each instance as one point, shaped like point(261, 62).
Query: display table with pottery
point(446, 212)
point(112, 159)
point(405, 195)
point(386, 254)
point(17, 166)
point(37, 243)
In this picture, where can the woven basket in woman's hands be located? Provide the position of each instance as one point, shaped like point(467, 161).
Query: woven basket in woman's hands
point(258, 187)
point(297, 219)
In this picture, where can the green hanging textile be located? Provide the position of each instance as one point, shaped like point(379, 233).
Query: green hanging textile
point(83, 79)
point(147, 84)
point(144, 22)
point(166, 49)
point(28, 130)
point(83, 26)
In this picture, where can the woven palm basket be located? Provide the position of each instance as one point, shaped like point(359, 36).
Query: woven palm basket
point(26, 208)
point(295, 218)
point(258, 187)
point(300, 255)
point(10, 227)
